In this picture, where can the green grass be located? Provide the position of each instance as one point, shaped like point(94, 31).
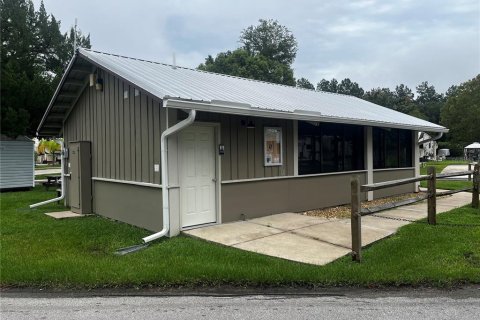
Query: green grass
point(445, 184)
point(440, 165)
point(39, 251)
point(449, 184)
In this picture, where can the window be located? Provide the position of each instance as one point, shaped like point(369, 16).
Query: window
point(273, 146)
point(392, 148)
point(325, 147)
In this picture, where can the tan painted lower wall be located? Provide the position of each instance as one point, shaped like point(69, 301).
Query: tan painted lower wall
point(264, 197)
point(394, 174)
point(136, 205)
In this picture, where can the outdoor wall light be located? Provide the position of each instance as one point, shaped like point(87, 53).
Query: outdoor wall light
point(248, 124)
point(99, 84)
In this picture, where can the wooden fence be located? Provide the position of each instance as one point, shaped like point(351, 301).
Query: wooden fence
point(431, 177)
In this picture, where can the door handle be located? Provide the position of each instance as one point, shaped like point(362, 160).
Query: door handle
point(214, 180)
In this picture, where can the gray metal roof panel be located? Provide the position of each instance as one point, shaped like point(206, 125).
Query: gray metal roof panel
point(163, 80)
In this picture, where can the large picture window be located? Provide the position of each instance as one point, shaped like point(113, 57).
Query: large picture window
point(325, 147)
point(392, 148)
point(273, 146)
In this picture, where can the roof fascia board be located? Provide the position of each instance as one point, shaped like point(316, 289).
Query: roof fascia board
point(233, 109)
point(57, 91)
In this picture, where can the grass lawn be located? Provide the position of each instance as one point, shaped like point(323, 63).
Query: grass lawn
point(445, 184)
point(37, 250)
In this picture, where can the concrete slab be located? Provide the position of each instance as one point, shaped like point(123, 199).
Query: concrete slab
point(403, 214)
point(294, 247)
point(233, 233)
point(315, 240)
point(339, 233)
point(64, 214)
point(383, 224)
point(456, 168)
point(289, 221)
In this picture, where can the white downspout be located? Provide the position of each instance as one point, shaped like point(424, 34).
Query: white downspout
point(62, 179)
point(164, 163)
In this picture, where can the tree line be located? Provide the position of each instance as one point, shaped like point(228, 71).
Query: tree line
point(268, 50)
point(34, 53)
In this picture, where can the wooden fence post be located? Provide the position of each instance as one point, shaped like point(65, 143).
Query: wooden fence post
point(432, 195)
point(469, 169)
point(476, 185)
point(356, 221)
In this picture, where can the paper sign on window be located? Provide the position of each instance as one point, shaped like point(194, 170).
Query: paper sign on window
point(273, 146)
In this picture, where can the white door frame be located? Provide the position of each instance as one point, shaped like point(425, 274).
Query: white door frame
point(217, 157)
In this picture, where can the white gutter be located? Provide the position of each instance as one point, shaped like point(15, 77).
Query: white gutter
point(164, 163)
point(247, 110)
point(62, 179)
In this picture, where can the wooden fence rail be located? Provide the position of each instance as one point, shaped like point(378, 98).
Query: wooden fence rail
point(357, 212)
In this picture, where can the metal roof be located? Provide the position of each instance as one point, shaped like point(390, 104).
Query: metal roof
point(213, 92)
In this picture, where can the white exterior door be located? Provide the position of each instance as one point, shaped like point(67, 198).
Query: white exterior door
point(197, 176)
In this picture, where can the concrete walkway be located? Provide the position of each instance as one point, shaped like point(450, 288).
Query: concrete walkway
point(456, 168)
point(53, 171)
point(316, 240)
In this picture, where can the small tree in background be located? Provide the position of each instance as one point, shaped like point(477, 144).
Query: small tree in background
point(461, 114)
point(304, 83)
point(267, 54)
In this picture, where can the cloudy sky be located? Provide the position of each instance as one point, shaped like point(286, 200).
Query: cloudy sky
point(373, 42)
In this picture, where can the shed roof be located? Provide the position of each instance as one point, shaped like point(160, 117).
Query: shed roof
point(213, 92)
point(474, 145)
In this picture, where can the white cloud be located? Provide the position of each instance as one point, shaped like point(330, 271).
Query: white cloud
point(376, 43)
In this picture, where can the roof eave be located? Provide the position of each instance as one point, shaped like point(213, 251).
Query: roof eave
point(57, 91)
point(239, 109)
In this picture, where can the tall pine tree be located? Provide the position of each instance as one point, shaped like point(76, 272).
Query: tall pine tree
point(34, 54)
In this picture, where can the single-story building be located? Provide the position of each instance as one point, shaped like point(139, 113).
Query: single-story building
point(17, 166)
point(428, 146)
point(161, 146)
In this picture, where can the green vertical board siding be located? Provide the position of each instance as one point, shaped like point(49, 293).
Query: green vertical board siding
point(124, 133)
point(127, 135)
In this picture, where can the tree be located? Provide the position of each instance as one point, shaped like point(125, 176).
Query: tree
point(429, 101)
point(33, 56)
point(350, 88)
point(381, 96)
point(346, 86)
point(267, 53)
point(461, 114)
point(240, 63)
point(304, 83)
point(271, 40)
point(328, 86)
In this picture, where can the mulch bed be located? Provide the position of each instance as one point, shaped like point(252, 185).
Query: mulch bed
point(342, 212)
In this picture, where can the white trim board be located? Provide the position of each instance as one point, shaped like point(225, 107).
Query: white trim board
point(292, 177)
point(135, 183)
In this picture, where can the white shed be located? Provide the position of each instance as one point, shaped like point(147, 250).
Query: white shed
point(472, 152)
point(16, 163)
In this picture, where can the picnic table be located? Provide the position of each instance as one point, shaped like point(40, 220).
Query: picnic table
point(52, 181)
